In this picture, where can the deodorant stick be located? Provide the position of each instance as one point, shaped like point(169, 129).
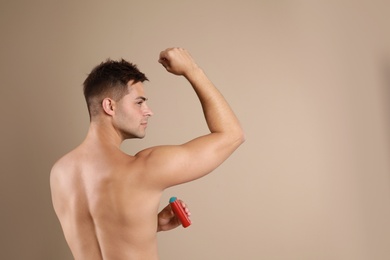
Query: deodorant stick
point(179, 212)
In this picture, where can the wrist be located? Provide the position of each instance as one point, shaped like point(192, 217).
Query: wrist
point(193, 73)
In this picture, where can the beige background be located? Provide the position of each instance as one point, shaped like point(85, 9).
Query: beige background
point(309, 81)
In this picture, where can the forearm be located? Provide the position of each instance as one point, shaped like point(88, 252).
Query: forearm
point(219, 116)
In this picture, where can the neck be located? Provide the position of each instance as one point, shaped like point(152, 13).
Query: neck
point(103, 134)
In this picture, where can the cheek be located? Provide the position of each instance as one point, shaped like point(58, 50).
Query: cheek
point(123, 115)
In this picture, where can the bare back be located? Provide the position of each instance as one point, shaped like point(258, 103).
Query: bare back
point(104, 205)
point(107, 201)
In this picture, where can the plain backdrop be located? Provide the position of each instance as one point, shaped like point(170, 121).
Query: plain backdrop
point(309, 81)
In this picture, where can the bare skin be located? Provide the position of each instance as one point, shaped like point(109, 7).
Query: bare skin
point(107, 201)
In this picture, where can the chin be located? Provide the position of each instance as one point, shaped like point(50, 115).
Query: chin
point(133, 136)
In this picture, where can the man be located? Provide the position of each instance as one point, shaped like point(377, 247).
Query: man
point(107, 201)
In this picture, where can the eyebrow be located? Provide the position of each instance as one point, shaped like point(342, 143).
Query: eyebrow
point(142, 98)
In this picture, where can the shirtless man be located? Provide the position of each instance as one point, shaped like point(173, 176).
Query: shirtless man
point(107, 201)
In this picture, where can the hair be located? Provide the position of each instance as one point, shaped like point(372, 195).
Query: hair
point(109, 79)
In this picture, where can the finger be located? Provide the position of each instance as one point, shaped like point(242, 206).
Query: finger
point(186, 209)
point(164, 65)
point(164, 54)
point(162, 60)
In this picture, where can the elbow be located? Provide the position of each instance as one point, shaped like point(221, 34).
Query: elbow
point(240, 137)
point(243, 138)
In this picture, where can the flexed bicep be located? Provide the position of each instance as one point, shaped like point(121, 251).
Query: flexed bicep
point(167, 166)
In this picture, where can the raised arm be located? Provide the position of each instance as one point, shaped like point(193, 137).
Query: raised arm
point(219, 117)
point(177, 164)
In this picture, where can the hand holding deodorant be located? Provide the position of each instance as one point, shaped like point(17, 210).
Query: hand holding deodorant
point(179, 212)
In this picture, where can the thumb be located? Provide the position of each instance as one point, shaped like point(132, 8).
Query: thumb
point(164, 62)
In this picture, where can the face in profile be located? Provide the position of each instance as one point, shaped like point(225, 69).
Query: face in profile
point(132, 113)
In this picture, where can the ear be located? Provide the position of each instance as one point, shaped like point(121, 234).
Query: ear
point(108, 106)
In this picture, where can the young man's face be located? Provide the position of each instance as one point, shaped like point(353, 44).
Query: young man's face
point(132, 113)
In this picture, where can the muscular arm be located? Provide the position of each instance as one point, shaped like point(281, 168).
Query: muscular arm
point(178, 164)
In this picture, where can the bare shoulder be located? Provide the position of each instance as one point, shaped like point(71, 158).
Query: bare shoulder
point(63, 169)
point(159, 156)
point(64, 163)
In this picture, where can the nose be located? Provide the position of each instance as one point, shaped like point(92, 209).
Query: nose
point(148, 112)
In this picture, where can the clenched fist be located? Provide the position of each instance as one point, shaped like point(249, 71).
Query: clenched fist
point(178, 61)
